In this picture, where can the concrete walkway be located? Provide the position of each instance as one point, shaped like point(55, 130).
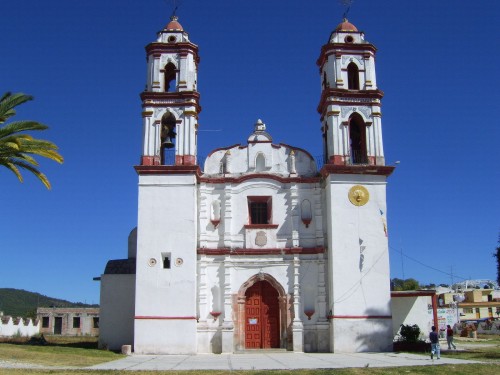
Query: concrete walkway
point(272, 361)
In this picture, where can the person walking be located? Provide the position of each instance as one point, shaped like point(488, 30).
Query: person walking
point(449, 337)
point(435, 348)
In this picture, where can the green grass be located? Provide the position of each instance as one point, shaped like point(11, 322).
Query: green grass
point(60, 351)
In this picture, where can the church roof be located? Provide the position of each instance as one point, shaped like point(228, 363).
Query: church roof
point(346, 26)
point(121, 267)
point(174, 25)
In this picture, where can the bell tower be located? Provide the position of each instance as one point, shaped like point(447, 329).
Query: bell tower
point(355, 175)
point(167, 230)
point(350, 100)
point(170, 101)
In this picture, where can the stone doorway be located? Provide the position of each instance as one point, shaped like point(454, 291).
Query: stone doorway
point(262, 315)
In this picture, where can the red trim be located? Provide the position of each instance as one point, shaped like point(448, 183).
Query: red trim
point(167, 169)
point(261, 226)
point(434, 311)
point(139, 317)
point(253, 142)
point(234, 180)
point(380, 170)
point(359, 316)
point(398, 294)
point(147, 160)
point(260, 252)
point(344, 49)
point(151, 98)
point(326, 99)
point(183, 48)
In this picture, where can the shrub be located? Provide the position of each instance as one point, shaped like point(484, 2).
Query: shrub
point(409, 333)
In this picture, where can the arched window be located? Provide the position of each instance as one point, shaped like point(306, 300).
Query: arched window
point(357, 139)
point(170, 75)
point(260, 162)
point(352, 76)
point(167, 138)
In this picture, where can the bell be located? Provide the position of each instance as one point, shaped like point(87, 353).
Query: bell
point(167, 143)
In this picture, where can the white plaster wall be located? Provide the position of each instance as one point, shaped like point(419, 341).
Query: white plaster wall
point(243, 268)
point(116, 316)
point(410, 311)
point(362, 335)
point(231, 227)
point(359, 279)
point(9, 328)
point(166, 298)
point(242, 160)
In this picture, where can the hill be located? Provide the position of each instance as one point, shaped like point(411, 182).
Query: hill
point(18, 302)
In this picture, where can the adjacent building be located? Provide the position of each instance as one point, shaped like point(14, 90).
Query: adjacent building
point(68, 321)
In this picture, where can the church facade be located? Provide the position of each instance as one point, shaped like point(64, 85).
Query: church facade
point(255, 247)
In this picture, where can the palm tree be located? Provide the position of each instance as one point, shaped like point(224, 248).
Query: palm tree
point(17, 147)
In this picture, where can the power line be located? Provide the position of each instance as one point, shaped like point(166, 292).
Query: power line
point(426, 265)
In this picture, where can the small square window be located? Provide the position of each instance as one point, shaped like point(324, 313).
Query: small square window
point(45, 322)
point(167, 260)
point(76, 322)
point(259, 210)
point(95, 322)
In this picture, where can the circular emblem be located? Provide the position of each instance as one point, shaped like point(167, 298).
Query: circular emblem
point(178, 262)
point(152, 262)
point(260, 238)
point(358, 195)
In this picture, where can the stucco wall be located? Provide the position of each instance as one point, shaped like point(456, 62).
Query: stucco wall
point(410, 311)
point(117, 311)
point(10, 326)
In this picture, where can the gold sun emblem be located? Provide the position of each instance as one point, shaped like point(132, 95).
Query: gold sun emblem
point(358, 195)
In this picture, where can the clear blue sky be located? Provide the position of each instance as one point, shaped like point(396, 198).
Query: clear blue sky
point(84, 62)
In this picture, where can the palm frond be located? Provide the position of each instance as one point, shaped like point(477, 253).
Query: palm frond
point(24, 165)
point(9, 101)
point(17, 149)
point(20, 126)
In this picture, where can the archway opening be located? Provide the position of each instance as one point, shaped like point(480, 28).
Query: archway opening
point(352, 76)
point(170, 75)
point(167, 138)
point(357, 139)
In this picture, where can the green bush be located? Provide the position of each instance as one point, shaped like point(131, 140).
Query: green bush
point(409, 333)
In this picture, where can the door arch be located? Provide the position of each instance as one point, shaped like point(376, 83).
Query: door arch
point(284, 304)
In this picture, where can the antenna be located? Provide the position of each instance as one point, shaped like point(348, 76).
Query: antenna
point(347, 6)
point(175, 4)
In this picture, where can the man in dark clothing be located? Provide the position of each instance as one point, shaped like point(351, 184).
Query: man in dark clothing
point(435, 348)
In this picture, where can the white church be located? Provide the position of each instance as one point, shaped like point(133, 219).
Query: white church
point(255, 247)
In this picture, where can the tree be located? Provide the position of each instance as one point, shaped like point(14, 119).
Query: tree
point(406, 284)
point(18, 148)
point(497, 255)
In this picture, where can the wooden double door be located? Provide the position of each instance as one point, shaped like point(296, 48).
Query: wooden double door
point(262, 317)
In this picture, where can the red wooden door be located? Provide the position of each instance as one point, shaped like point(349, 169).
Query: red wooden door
point(261, 317)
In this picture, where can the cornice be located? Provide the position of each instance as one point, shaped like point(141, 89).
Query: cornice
point(181, 47)
point(167, 169)
point(328, 96)
point(379, 170)
point(251, 176)
point(260, 252)
point(344, 49)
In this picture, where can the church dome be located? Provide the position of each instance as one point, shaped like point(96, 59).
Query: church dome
point(346, 26)
point(173, 25)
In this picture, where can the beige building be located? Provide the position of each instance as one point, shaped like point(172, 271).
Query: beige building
point(67, 321)
point(479, 304)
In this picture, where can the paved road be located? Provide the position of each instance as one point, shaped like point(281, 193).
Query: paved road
point(269, 361)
